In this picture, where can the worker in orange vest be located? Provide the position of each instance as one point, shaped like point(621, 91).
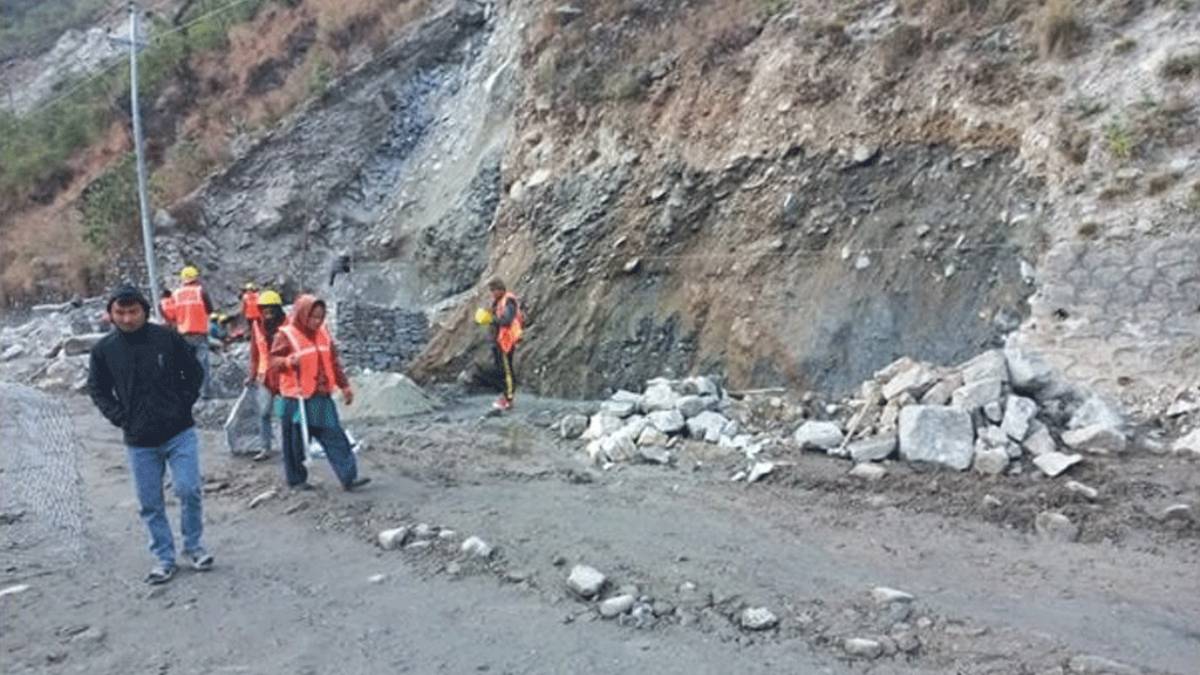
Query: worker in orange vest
point(192, 309)
point(166, 307)
point(262, 335)
point(304, 356)
point(250, 305)
point(508, 324)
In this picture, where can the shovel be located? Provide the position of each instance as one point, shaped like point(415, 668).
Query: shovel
point(233, 412)
point(308, 460)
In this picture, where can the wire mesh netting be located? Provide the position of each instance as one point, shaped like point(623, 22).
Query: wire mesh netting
point(41, 501)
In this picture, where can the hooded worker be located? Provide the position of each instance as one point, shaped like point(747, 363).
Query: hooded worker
point(304, 356)
point(262, 335)
point(192, 308)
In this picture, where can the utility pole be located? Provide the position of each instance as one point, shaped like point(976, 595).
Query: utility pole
point(139, 150)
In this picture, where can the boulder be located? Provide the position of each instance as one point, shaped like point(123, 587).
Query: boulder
point(654, 454)
point(990, 365)
point(938, 434)
point(941, 393)
point(690, 406)
point(874, 449)
point(620, 409)
point(1039, 441)
point(885, 374)
point(758, 618)
point(1028, 373)
point(474, 547)
point(1018, 413)
point(707, 426)
point(1095, 411)
point(651, 436)
point(1098, 438)
point(815, 435)
point(616, 606)
point(625, 396)
point(572, 426)
point(862, 648)
point(914, 380)
point(1054, 526)
point(659, 396)
point(667, 421)
point(991, 461)
point(77, 345)
point(994, 412)
point(868, 471)
point(393, 538)
point(601, 425)
point(975, 395)
point(702, 386)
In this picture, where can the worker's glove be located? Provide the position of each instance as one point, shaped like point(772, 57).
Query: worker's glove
point(483, 317)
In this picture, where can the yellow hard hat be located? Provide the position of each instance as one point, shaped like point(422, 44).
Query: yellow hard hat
point(483, 317)
point(221, 318)
point(250, 286)
point(189, 273)
point(214, 317)
point(268, 298)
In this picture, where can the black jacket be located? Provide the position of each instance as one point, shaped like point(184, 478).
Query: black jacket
point(146, 383)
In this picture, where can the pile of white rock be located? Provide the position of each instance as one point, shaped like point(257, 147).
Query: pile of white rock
point(986, 415)
point(647, 426)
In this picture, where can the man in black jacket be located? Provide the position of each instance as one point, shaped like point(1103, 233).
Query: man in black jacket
point(145, 379)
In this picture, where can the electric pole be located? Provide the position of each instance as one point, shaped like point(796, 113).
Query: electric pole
point(139, 151)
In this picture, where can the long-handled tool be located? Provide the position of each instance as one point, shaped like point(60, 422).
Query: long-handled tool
point(308, 459)
point(233, 413)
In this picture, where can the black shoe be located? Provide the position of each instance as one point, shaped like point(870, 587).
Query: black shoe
point(357, 483)
point(302, 487)
point(202, 561)
point(160, 575)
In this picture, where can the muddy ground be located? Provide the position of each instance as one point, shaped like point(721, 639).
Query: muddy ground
point(291, 592)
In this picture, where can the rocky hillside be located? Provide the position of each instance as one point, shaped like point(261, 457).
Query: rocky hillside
point(783, 192)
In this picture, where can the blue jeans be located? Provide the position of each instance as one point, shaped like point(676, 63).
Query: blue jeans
point(182, 454)
point(266, 409)
point(329, 432)
point(200, 344)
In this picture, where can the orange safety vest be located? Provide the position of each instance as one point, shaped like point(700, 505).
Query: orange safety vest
point(508, 336)
point(259, 335)
point(189, 310)
point(313, 356)
point(250, 308)
point(167, 307)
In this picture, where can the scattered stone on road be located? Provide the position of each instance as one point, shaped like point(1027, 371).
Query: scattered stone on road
point(758, 618)
point(884, 595)
point(1087, 492)
point(1181, 512)
point(393, 538)
point(1054, 526)
point(14, 590)
point(260, 498)
point(1054, 463)
point(862, 648)
point(585, 581)
point(376, 578)
point(1088, 664)
point(759, 470)
point(477, 548)
point(868, 471)
point(616, 606)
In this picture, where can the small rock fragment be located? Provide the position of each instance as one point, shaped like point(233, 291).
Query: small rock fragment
point(868, 471)
point(573, 426)
point(759, 470)
point(1054, 526)
point(862, 648)
point(654, 455)
point(990, 461)
point(262, 497)
point(393, 538)
point(1180, 512)
point(818, 435)
point(615, 606)
point(477, 548)
point(874, 449)
point(14, 590)
point(1088, 664)
point(1054, 463)
point(376, 578)
point(884, 595)
point(1097, 438)
point(758, 618)
point(585, 581)
point(1087, 492)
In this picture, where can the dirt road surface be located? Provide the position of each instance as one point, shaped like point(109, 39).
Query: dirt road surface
point(296, 589)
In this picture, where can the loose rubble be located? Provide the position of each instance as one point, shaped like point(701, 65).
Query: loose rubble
point(758, 618)
point(586, 582)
